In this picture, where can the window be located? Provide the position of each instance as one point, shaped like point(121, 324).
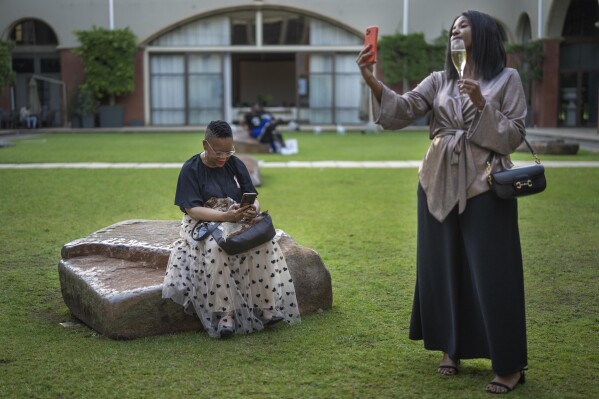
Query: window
point(23, 65)
point(581, 18)
point(32, 32)
point(50, 65)
point(167, 87)
point(284, 28)
point(204, 32)
point(243, 28)
point(205, 88)
point(314, 77)
point(186, 89)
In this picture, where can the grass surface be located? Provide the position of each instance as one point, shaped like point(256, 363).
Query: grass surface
point(361, 222)
point(178, 147)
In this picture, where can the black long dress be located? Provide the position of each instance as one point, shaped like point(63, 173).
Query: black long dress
point(469, 297)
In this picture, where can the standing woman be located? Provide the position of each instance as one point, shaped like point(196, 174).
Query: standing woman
point(469, 296)
point(231, 294)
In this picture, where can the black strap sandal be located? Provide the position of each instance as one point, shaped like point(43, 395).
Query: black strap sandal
point(454, 370)
point(521, 380)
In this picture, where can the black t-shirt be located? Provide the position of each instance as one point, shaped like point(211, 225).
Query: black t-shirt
point(253, 120)
point(198, 183)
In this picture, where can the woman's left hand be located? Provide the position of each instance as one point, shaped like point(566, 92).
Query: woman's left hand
point(249, 213)
point(472, 89)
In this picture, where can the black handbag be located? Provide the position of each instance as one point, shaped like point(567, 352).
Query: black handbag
point(518, 182)
point(250, 236)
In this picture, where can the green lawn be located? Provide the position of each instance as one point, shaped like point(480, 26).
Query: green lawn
point(361, 222)
point(177, 147)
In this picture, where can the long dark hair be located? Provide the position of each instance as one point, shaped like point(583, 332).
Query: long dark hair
point(488, 53)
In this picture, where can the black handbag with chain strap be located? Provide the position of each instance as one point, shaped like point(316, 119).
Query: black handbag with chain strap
point(250, 236)
point(518, 182)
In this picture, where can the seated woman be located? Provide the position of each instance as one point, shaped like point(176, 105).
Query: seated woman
point(262, 126)
point(230, 293)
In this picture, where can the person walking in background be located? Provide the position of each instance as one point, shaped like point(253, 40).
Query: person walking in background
point(469, 295)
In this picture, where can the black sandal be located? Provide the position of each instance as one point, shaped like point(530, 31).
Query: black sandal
point(448, 367)
point(454, 368)
point(508, 389)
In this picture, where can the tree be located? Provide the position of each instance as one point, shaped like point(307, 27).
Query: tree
point(108, 61)
point(7, 75)
point(410, 57)
point(529, 59)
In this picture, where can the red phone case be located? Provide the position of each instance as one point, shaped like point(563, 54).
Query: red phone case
point(371, 37)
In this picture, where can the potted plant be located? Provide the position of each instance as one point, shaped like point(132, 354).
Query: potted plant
point(108, 62)
point(87, 106)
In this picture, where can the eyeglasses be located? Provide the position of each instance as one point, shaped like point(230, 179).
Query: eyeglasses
point(220, 154)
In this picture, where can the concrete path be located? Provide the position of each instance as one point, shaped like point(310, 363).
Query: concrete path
point(266, 165)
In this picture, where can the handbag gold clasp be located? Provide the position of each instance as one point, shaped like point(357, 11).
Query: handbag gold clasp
point(519, 185)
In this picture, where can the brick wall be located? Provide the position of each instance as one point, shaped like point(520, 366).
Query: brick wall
point(545, 93)
point(72, 74)
point(134, 102)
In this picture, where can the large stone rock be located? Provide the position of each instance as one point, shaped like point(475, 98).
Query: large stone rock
point(244, 144)
point(551, 147)
point(253, 168)
point(112, 279)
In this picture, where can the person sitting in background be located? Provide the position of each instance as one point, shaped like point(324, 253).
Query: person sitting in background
point(27, 118)
point(261, 125)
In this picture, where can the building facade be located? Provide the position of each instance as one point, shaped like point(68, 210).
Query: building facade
point(203, 60)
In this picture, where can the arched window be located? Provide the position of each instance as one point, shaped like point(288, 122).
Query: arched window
point(33, 32)
point(581, 18)
point(35, 54)
point(276, 28)
point(524, 29)
point(294, 63)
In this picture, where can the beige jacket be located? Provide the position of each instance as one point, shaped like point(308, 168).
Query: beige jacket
point(463, 138)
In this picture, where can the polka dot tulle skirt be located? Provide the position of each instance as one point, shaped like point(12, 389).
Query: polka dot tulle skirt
point(212, 284)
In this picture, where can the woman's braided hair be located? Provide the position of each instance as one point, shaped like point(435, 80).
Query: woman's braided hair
point(218, 129)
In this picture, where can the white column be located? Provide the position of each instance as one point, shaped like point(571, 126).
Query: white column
point(406, 16)
point(539, 19)
point(227, 89)
point(146, 69)
point(111, 13)
point(259, 28)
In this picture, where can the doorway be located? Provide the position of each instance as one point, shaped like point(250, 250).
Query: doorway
point(267, 78)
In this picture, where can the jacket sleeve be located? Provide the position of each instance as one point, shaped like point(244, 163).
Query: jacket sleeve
point(500, 126)
point(396, 111)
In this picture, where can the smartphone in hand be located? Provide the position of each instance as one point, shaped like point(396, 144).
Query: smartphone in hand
point(371, 37)
point(247, 199)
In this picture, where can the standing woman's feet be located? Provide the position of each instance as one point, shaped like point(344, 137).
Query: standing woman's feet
point(505, 383)
point(448, 366)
